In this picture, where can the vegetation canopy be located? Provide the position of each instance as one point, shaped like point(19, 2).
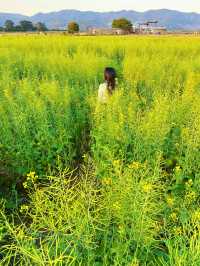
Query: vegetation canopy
point(73, 27)
point(9, 25)
point(23, 26)
point(122, 23)
point(40, 26)
point(83, 183)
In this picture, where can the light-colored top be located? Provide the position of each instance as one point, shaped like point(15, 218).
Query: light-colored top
point(103, 94)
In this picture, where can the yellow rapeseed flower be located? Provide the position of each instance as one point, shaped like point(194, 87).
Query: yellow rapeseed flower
point(196, 217)
point(121, 229)
point(116, 162)
point(177, 169)
point(107, 181)
point(32, 176)
point(178, 231)
point(147, 187)
point(135, 262)
point(25, 185)
point(24, 208)
point(66, 182)
point(31, 179)
point(190, 196)
point(170, 201)
point(116, 206)
point(174, 217)
point(134, 165)
point(189, 183)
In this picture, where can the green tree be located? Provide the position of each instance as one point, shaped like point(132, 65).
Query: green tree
point(9, 25)
point(73, 27)
point(40, 26)
point(26, 25)
point(122, 23)
point(18, 28)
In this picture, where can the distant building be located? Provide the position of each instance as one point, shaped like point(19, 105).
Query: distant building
point(107, 31)
point(149, 27)
point(120, 32)
point(98, 31)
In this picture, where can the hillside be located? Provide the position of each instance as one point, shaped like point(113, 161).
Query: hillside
point(169, 18)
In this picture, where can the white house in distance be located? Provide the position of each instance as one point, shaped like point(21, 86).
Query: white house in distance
point(106, 31)
point(149, 27)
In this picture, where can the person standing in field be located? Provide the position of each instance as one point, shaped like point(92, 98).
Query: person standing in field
point(107, 88)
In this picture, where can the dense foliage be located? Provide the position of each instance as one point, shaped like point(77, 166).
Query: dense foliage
point(73, 27)
point(23, 26)
point(123, 24)
point(88, 184)
point(9, 25)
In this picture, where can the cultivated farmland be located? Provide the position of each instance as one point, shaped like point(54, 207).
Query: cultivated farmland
point(90, 184)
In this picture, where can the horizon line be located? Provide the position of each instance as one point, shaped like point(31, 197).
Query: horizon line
point(98, 11)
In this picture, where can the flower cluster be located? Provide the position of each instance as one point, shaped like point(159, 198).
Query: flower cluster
point(31, 179)
point(190, 197)
point(174, 217)
point(196, 217)
point(170, 201)
point(24, 208)
point(147, 187)
point(135, 165)
point(107, 181)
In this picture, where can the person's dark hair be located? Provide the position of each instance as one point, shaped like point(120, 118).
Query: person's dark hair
point(110, 78)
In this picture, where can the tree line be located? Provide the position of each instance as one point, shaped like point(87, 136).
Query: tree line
point(23, 26)
point(72, 27)
point(121, 23)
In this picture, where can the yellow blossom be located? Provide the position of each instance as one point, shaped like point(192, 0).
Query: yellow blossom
point(116, 206)
point(24, 208)
point(170, 201)
point(196, 217)
point(120, 226)
point(25, 185)
point(178, 169)
point(135, 262)
point(190, 196)
point(157, 226)
point(189, 183)
point(165, 174)
point(135, 165)
point(32, 177)
point(147, 187)
point(121, 229)
point(178, 231)
point(20, 234)
point(174, 217)
point(66, 182)
point(116, 163)
point(107, 181)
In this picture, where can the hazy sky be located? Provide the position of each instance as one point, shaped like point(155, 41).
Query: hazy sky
point(33, 6)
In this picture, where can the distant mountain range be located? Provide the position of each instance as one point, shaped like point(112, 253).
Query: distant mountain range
point(173, 20)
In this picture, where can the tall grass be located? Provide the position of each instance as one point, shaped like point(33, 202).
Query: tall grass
point(103, 185)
